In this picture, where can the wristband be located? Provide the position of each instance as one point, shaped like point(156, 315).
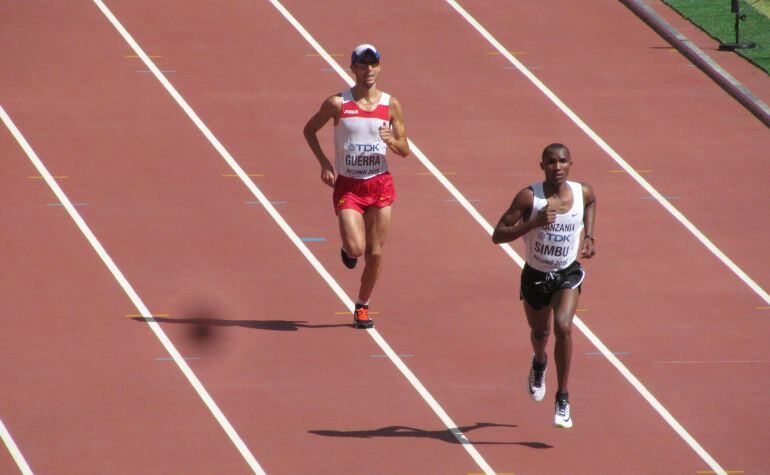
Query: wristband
point(589, 237)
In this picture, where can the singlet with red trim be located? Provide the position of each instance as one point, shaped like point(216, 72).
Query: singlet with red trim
point(359, 150)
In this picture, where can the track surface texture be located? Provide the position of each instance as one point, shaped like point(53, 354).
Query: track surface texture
point(90, 386)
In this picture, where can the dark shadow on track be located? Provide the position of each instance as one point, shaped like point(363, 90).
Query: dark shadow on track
point(275, 325)
point(442, 435)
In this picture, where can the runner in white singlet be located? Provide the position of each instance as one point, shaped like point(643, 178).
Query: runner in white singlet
point(359, 149)
point(551, 216)
point(367, 123)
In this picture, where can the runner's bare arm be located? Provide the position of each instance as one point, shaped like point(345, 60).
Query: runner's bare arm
point(589, 199)
point(330, 109)
point(395, 134)
point(514, 223)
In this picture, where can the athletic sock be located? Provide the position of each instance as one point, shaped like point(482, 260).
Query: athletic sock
point(537, 366)
point(562, 397)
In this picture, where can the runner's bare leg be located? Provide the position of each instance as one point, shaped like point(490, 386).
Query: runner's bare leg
point(540, 324)
point(352, 232)
point(564, 303)
point(377, 225)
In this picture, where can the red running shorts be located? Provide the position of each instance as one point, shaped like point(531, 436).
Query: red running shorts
point(352, 193)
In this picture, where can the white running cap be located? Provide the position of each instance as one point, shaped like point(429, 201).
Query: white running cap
point(360, 51)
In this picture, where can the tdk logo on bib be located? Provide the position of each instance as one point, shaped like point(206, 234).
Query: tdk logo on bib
point(363, 147)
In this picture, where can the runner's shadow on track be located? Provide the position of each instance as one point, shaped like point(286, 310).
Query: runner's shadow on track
point(442, 435)
point(274, 325)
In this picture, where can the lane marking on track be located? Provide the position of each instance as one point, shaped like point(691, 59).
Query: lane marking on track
point(137, 315)
point(662, 411)
point(612, 153)
point(230, 175)
point(133, 296)
point(763, 308)
point(431, 174)
point(55, 177)
point(624, 171)
point(334, 55)
point(18, 457)
point(82, 203)
point(271, 202)
point(726, 471)
point(418, 386)
point(668, 197)
point(384, 346)
point(616, 353)
point(133, 56)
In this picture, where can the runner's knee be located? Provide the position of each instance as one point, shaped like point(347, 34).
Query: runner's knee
point(373, 255)
point(562, 329)
point(540, 335)
point(354, 250)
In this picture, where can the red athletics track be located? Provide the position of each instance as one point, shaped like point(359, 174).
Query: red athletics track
point(453, 359)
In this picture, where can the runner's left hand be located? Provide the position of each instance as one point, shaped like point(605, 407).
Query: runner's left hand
point(587, 250)
point(385, 134)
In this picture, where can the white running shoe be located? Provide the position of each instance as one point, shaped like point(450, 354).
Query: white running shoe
point(562, 417)
point(536, 382)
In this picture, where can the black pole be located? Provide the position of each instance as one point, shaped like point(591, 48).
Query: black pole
point(739, 17)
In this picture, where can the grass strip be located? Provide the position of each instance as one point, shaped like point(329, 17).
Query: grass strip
point(715, 18)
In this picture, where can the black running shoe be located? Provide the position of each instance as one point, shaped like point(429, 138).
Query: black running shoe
point(361, 317)
point(350, 262)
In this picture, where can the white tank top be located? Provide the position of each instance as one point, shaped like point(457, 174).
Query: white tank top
point(359, 151)
point(555, 246)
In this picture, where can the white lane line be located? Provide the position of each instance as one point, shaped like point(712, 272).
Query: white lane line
point(129, 290)
point(612, 153)
point(516, 258)
point(14, 450)
point(384, 346)
point(662, 411)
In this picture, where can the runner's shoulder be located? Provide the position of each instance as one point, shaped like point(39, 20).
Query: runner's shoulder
point(525, 196)
point(335, 100)
point(588, 191)
point(395, 105)
point(332, 106)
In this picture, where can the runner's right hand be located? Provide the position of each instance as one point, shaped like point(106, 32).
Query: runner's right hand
point(546, 215)
point(327, 176)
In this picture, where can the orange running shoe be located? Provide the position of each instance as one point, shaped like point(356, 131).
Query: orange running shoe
point(361, 317)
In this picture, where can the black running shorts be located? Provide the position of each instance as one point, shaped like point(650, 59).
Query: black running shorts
point(538, 287)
